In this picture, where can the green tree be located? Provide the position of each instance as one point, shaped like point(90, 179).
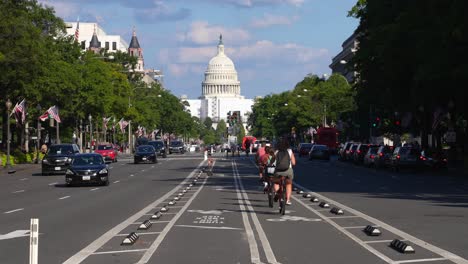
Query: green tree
point(220, 133)
point(241, 134)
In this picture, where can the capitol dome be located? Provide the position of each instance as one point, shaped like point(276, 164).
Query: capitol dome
point(221, 76)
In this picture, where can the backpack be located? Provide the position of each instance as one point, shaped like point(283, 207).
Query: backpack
point(283, 160)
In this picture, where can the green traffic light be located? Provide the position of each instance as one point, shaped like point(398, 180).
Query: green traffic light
point(374, 125)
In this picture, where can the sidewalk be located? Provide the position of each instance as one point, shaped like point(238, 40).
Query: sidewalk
point(20, 168)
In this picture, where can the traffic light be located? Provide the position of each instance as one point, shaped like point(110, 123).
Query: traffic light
point(376, 122)
point(397, 122)
point(234, 118)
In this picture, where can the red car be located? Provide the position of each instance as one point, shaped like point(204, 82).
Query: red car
point(107, 151)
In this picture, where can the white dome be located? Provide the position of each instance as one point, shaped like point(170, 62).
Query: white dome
point(221, 76)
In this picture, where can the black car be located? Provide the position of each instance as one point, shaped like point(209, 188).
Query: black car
point(383, 158)
point(58, 158)
point(433, 159)
point(361, 151)
point(319, 152)
point(145, 153)
point(407, 157)
point(176, 146)
point(88, 168)
point(159, 147)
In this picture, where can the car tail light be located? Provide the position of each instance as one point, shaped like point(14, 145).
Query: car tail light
point(372, 156)
point(422, 158)
point(398, 156)
point(381, 154)
point(358, 152)
point(347, 151)
point(351, 151)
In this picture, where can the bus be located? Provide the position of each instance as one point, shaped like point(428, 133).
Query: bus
point(328, 136)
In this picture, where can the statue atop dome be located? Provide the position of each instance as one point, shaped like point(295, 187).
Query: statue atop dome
point(220, 39)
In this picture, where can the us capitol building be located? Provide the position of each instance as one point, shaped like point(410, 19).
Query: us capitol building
point(221, 91)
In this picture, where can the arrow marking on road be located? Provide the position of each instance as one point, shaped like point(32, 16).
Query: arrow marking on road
point(15, 234)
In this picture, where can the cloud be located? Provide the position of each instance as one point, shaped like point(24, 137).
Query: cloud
point(271, 20)
point(202, 33)
point(160, 12)
point(255, 3)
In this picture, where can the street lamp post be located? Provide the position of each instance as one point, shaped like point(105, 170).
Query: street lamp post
point(90, 118)
point(38, 143)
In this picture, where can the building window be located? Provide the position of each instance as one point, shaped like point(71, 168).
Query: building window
point(114, 45)
point(107, 45)
point(83, 45)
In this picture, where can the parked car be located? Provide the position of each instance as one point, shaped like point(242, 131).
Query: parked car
point(87, 168)
point(350, 152)
point(176, 146)
point(160, 147)
point(344, 150)
point(384, 155)
point(319, 152)
point(145, 153)
point(433, 159)
point(58, 158)
point(361, 150)
point(304, 149)
point(371, 156)
point(405, 157)
point(107, 151)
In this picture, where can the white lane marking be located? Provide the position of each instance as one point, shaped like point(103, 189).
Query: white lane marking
point(378, 241)
point(212, 212)
point(353, 227)
point(94, 189)
point(111, 167)
point(99, 242)
point(345, 216)
point(24, 179)
point(53, 183)
point(12, 211)
point(20, 191)
point(148, 254)
point(442, 252)
point(15, 234)
point(212, 227)
point(118, 251)
point(284, 218)
point(145, 233)
point(65, 197)
point(263, 238)
point(132, 175)
point(419, 260)
point(153, 222)
point(116, 182)
point(346, 232)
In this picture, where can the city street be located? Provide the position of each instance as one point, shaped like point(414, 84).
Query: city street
point(225, 218)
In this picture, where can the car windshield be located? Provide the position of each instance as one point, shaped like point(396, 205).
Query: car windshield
point(320, 147)
point(156, 144)
point(57, 150)
point(176, 143)
point(88, 160)
point(104, 147)
point(306, 145)
point(373, 150)
point(145, 149)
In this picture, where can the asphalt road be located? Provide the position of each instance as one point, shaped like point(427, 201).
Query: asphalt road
point(225, 218)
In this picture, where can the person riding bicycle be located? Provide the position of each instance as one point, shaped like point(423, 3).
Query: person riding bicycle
point(258, 156)
point(266, 160)
point(285, 161)
point(247, 147)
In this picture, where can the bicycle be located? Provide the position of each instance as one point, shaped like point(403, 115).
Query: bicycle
point(270, 190)
point(282, 195)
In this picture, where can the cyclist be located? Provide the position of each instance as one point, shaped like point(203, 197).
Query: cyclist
point(258, 159)
point(283, 169)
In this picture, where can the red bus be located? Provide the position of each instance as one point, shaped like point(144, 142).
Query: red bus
point(328, 136)
point(251, 140)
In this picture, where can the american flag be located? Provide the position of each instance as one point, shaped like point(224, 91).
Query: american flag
point(77, 31)
point(20, 112)
point(123, 124)
point(53, 113)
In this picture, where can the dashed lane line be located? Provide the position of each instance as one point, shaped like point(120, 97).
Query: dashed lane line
point(442, 252)
point(345, 216)
point(53, 183)
point(12, 211)
point(20, 191)
point(99, 242)
point(379, 241)
point(94, 189)
point(355, 227)
point(140, 233)
point(24, 179)
point(116, 182)
point(65, 197)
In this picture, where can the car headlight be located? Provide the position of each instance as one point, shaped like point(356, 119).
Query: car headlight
point(69, 172)
point(69, 160)
point(45, 161)
point(103, 171)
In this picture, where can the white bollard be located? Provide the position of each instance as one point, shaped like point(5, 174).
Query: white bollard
point(33, 241)
point(205, 153)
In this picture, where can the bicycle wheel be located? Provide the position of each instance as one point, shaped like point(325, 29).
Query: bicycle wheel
point(283, 198)
point(270, 195)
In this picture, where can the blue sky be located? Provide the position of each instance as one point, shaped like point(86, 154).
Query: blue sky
point(273, 43)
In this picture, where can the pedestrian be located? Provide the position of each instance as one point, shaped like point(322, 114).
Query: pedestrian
point(44, 148)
